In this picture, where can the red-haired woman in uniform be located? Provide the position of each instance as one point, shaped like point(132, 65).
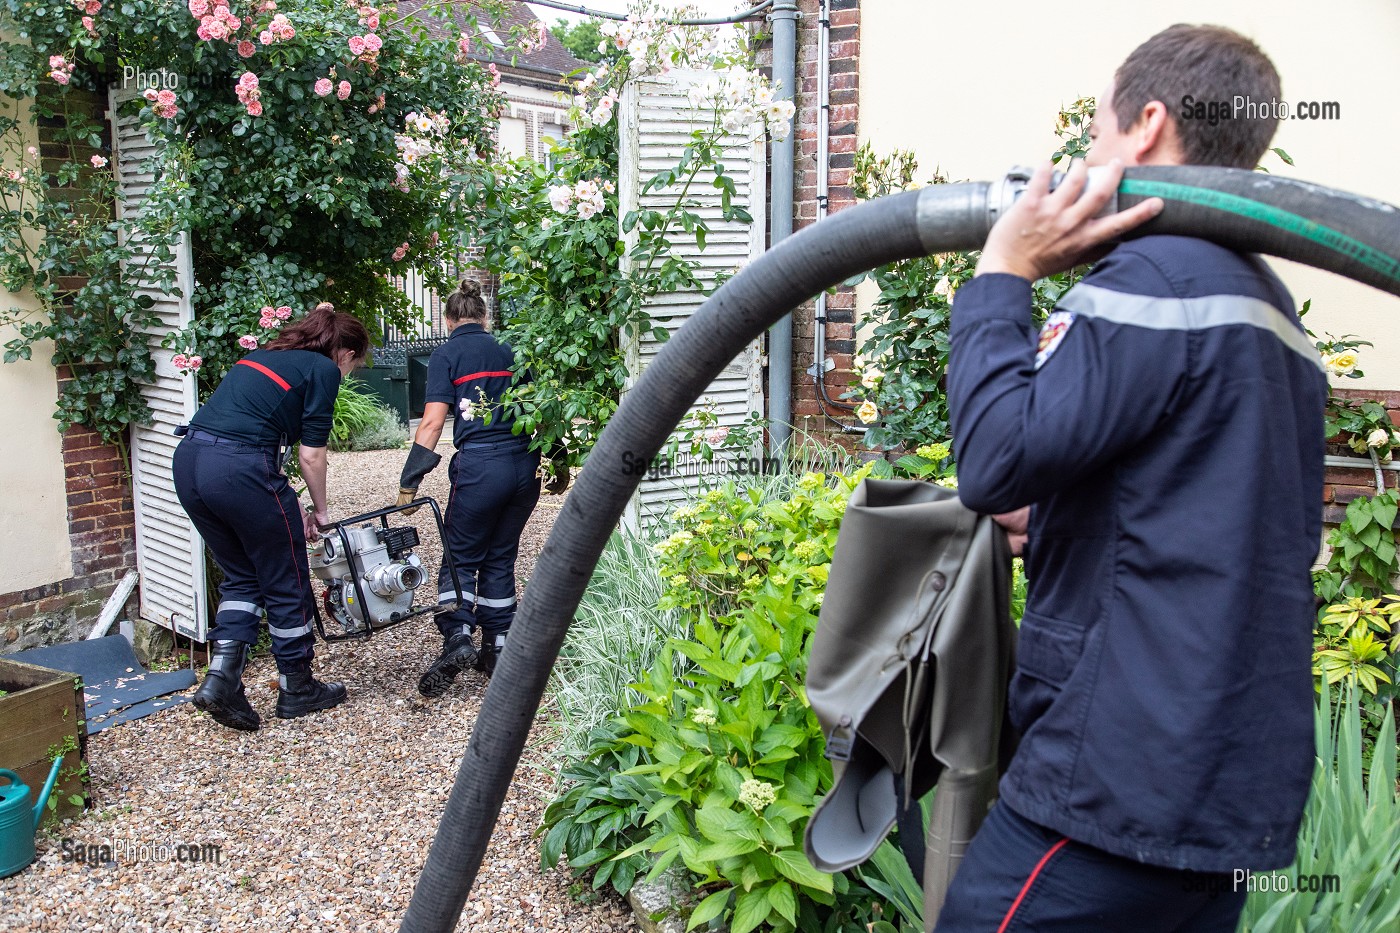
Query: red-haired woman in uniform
point(228, 475)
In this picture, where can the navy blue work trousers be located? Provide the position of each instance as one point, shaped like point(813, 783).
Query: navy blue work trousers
point(495, 487)
point(1021, 876)
point(243, 507)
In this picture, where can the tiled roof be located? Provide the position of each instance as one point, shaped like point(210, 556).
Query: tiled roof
point(446, 22)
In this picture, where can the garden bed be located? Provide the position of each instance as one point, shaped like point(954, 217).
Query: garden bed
point(41, 715)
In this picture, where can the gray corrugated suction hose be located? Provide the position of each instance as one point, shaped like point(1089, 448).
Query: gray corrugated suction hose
point(1332, 230)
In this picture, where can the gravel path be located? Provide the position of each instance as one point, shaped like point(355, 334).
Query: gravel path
point(323, 822)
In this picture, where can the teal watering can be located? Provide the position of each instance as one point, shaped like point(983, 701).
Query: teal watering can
point(18, 822)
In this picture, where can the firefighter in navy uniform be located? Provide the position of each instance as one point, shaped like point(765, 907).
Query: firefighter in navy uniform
point(495, 484)
point(228, 476)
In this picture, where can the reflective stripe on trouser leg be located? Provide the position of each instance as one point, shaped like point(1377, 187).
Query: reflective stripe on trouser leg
point(236, 620)
point(463, 618)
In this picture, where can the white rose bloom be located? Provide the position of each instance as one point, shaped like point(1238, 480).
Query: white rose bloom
point(867, 412)
point(586, 190)
point(1378, 438)
point(779, 131)
point(423, 124)
point(586, 209)
point(780, 110)
point(546, 223)
point(561, 197)
point(871, 378)
point(763, 97)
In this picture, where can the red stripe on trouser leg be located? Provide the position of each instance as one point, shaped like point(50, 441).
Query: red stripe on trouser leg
point(1027, 886)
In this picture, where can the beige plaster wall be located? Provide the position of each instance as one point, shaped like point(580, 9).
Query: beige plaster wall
point(34, 546)
point(973, 88)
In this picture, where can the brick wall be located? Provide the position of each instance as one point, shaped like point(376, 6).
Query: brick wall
point(101, 528)
point(1344, 484)
point(843, 70)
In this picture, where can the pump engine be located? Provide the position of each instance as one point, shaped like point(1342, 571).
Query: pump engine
point(382, 561)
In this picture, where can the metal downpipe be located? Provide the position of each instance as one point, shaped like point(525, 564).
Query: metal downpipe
point(783, 16)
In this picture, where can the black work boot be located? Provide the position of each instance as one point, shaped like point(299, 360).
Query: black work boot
point(221, 694)
point(457, 655)
point(491, 649)
point(302, 694)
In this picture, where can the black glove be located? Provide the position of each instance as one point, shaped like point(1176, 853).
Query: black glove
point(421, 462)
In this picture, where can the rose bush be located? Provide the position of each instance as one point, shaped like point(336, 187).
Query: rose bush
point(291, 193)
point(575, 277)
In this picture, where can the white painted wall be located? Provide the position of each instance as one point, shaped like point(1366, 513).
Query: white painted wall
point(34, 521)
point(973, 88)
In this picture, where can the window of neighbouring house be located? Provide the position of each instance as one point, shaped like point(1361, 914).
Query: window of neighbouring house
point(551, 134)
point(512, 137)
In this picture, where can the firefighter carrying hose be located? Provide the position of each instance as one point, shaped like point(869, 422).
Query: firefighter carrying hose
point(495, 484)
point(228, 476)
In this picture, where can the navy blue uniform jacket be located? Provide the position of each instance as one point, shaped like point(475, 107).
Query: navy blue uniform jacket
point(1168, 430)
point(470, 372)
point(273, 397)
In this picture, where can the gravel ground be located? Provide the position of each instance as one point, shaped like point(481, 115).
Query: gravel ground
point(323, 822)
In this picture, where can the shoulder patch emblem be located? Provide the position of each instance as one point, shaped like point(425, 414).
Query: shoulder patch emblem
point(1051, 333)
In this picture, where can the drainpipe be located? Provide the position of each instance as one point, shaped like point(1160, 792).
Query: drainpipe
point(818, 370)
point(783, 16)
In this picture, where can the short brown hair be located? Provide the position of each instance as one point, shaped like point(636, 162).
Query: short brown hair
point(1206, 63)
point(466, 304)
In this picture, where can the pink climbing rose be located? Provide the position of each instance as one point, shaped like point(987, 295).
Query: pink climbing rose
point(323, 87)
point(248, 342)
point(342, 90)
point(357, 45)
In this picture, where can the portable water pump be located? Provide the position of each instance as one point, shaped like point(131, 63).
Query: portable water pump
point(371, 572)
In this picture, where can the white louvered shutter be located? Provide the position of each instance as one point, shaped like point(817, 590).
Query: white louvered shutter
point(656, 122)
point(169, 553)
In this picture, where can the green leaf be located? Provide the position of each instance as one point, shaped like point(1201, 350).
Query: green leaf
point(719, 851)
point(794, 866)
point(553, 846)
point(750, 909)
point(710, 908)
point(780, 896)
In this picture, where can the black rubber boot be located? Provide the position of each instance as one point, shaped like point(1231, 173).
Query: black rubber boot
point(490, 651)
point(457, 655)
point(301, 694)
point(221, 694)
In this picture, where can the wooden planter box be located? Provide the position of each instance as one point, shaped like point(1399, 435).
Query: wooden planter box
point(42, 709)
